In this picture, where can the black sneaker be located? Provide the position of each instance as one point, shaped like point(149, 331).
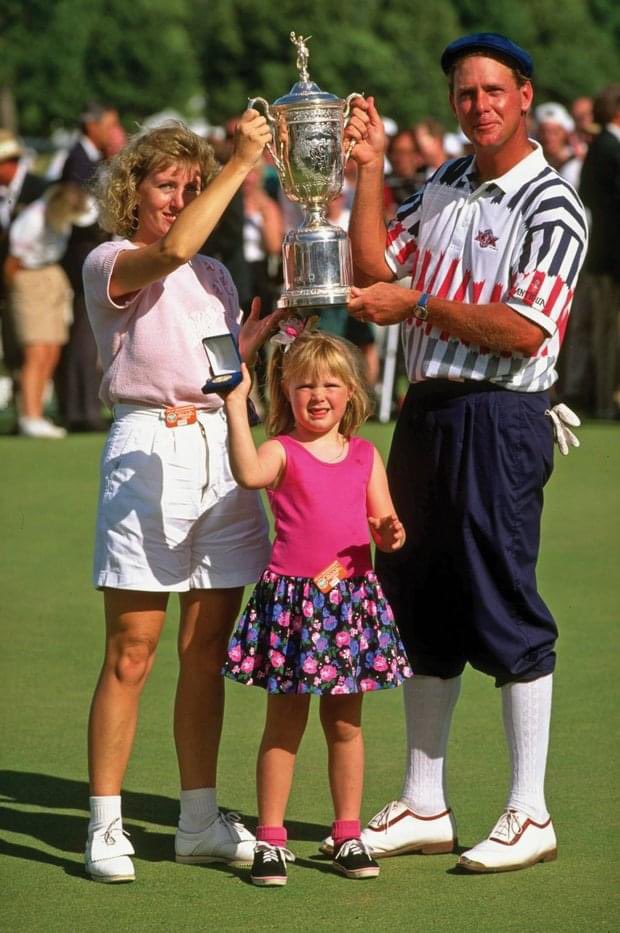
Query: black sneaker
point(353, 860)
point(269, 866)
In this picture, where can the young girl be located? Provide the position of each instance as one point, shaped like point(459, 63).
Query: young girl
point(317, 621)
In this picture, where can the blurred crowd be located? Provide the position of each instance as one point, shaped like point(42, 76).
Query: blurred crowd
point(48, 224)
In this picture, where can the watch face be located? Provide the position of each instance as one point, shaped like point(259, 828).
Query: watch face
point(421, 312)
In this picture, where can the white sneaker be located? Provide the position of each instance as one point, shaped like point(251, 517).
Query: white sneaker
point(396, 830)
point(107, 855)
point(39, 427)
point(516, 841)
point(225, 840)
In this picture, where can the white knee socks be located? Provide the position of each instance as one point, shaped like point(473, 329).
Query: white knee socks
point(198, 809)
point(429, 704)
point(527, 712)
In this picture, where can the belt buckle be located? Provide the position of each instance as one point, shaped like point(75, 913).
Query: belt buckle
point(180, 416)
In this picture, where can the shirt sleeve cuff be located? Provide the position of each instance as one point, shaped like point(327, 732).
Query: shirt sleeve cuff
point(537, 317)
point(123, 301)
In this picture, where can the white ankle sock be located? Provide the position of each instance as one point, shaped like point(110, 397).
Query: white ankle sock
point(103, 811)
point(429, 703)
point(527, 712)
point(198, 809)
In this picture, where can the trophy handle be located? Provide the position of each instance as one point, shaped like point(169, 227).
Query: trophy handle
point(347, 112)
point(272, 125)
point(347, 104)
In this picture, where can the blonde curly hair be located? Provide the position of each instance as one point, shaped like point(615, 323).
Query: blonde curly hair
point(116, 182)
point(313, 354)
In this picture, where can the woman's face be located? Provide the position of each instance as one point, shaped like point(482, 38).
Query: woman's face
point(162, 195)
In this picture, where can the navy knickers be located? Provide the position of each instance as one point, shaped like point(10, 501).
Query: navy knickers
point(466, 470)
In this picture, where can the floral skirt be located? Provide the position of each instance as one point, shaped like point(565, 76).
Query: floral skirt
point(292, 638)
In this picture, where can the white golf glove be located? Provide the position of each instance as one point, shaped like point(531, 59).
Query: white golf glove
point(562, 416)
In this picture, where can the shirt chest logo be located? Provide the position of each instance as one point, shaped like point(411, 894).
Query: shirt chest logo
point(486, 239)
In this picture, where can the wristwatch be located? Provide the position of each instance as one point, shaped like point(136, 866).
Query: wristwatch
point(421, 311)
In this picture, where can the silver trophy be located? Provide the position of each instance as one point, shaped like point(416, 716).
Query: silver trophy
point(307, 126)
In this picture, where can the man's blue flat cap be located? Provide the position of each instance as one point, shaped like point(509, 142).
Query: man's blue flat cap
point(487, 42)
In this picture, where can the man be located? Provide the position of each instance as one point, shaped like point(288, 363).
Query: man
point(429, 135)
point(18, 188)
point(600, 189)
point(405, 176)
point(582, 113)
point(78, 376)
point(493, 243)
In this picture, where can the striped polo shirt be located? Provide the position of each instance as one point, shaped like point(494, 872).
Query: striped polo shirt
point(519, 239)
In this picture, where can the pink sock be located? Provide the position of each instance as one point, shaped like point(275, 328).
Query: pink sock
point(274, 835)
point(345, 829)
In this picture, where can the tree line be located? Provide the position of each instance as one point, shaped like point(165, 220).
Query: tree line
point(148, 55)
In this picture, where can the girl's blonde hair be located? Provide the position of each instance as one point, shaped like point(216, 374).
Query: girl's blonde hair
point(313, 354)
point(116, 182)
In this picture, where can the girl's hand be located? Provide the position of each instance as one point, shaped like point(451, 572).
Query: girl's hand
point(251, 136)
point(388, 532)
point(239, 395)
point(256, 330)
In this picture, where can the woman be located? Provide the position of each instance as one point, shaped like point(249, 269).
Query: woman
point(171, 518)
point(40, 296)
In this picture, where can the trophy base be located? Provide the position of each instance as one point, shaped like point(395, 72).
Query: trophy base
point(311, 300)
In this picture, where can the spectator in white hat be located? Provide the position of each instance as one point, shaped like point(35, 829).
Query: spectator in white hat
point(555, 126)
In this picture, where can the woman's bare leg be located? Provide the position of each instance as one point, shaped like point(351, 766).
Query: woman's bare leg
point(134, 622)
point(207, 619)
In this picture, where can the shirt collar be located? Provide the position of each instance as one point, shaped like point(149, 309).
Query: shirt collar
point(614, 129)
point(519, 174)
point(90, 149)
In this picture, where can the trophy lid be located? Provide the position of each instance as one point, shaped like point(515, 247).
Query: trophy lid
point(306, 92)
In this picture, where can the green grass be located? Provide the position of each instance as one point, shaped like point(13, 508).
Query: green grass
point(51, 649)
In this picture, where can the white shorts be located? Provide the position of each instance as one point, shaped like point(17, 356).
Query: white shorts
point(171, 517)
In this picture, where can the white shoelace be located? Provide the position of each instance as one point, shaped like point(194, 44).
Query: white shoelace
point(353, 847)
point(232, 817)
point(274, 853)
point(507, 827)
point(232, 822)
point(382, 819)
point(110, 831)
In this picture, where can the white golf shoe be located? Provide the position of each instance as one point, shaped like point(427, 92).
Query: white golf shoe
point(397, 830)
point(516, 841)
point(225, 840)
point(107, 855)
point(39, 427)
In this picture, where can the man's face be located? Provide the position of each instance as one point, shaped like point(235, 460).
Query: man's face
point(404, 156)
point(487, 102)
point(581, 112)
point(8, 169)
point(553, 138)
point(102, 130)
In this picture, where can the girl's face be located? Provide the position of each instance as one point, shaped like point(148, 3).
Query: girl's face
point(162, 195)
point(318, 402)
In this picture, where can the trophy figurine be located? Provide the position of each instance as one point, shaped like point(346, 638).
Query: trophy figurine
point(307, 126)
